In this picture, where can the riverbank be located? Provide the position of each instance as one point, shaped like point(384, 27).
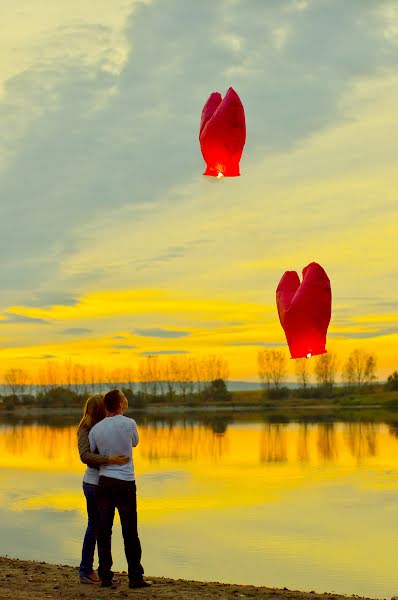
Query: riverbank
point(31, 580)
point(237, 402)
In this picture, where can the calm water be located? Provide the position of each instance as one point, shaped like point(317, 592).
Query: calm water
point(309, 506)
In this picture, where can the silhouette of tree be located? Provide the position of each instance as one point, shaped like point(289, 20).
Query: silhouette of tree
point(302, 372)
point(360, 368)
point(392, 381)
point(325, 370)
point(16, 380)
point(271, 367)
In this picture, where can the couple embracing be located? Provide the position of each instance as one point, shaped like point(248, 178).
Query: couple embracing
point(105, 439)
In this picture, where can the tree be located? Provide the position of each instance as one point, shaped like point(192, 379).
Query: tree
point(92, 378)
point(168, 376)
point(116, 378)
point(360, 368)
point(271, 367)
point(153, 374)
point(76, 378)
point(181, 369)
point(52, 374)
point(199, 371)
point(215, 367)
point(58, 396)
point(129, 378)
point(302, 371)
point(392, 381)
point(16, 379)
point(68, 370)
point(217, 390)
point(143, 377)
point(325, 369)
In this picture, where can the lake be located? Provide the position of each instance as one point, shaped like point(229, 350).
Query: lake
point(239, 498)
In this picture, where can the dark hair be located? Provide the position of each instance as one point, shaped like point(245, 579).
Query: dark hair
point(112, 400)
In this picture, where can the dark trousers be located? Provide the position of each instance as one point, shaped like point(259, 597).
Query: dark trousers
point(116, 493)
point(86, 565)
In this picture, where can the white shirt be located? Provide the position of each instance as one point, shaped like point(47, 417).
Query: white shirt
point(91, 475)
point(115, 435)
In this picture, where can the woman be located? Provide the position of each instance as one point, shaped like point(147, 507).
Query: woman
point(94, 411)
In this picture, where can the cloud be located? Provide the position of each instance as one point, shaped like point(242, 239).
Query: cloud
point(16, 318)
point(161, 333)
point(100, 114)
point(76, 331)
point(100, 125)
point(125, 347)
point(169, 254)
point(363, 334)
point(156, 352)
point(48, 299)
point(261, 344)
point(40, 357)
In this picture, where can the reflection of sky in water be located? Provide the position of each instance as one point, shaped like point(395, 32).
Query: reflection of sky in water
point(310, 506)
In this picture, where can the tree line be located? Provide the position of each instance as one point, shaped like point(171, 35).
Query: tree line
point(153, 378)
point(359, 370)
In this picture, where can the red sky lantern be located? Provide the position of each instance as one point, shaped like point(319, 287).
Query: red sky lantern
point(304, 310)
point(222, 134)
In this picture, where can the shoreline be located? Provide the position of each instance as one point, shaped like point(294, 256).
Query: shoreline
point(37, 580)
point(206, 408)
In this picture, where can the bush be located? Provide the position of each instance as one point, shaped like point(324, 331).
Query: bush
point(59, 397)
point(280, 393)
point(217, 390)
point(306, 393)
point(392, 381)
point(137, 400)
point(10, 402)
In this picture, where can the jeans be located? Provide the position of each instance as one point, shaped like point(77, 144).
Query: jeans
point(90, 538)
point(116, 493)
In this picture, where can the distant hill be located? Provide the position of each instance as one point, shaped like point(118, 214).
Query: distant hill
point(243, 386)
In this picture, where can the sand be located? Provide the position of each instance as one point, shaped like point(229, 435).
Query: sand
point(30, 580)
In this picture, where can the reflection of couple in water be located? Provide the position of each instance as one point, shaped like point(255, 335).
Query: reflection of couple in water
point(105, 439)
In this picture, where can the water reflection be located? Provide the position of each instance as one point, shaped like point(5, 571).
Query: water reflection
point(361, 439)
point(273, 443)
point(327, 443)
point(294, 495)
point(302, 444)
point(184, 440)
point(181, 442)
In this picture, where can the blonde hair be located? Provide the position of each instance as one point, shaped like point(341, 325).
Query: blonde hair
point(93, 412)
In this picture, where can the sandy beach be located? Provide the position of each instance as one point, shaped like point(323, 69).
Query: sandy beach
point(31, 580)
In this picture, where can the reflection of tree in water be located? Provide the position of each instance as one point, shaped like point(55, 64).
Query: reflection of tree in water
point(273, 443)
point(218, 423)
point(302, 443)
point(58, 444)
point(327, 444)
point(361, 439)
point(393, 428)
point(182, 442)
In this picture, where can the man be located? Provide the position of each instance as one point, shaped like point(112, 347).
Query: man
point(117, 434)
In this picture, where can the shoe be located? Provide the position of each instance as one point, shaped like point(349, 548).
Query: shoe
point(139, 583)
point(90, 579)
point(110, 583)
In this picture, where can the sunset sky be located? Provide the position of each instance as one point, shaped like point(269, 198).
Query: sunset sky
point(113, 244)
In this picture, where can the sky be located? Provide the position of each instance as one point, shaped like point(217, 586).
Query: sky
point(113, 244)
